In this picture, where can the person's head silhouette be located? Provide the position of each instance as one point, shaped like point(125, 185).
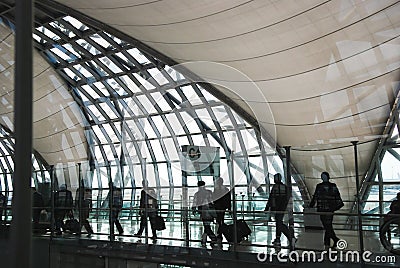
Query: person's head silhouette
point(398, 196)
point(325, 176)
point(201, 184)
point(277, 178)
point(219, 181)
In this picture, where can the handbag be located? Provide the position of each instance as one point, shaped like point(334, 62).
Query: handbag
point(159, 223)
point(338, 204)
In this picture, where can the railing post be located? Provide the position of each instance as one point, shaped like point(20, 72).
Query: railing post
point(290, 205)
point(359, 216)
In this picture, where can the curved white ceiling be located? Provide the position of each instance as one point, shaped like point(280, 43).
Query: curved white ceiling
point(58, 133)
point(328, 70)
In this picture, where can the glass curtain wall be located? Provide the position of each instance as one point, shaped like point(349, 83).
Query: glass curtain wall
point(139, 112)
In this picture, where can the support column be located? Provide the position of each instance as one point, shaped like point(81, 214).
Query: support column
point(22, 203)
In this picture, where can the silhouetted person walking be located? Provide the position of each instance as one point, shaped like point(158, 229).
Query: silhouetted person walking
point(327, 197)
point(84, 204)
point(277, 203)
point(116, 206)
point(63, 203)
point(222, 202)
point(148, 209)
point(202, 203)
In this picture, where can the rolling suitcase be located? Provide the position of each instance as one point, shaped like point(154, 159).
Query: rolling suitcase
point(72, 225)
point(242, 231)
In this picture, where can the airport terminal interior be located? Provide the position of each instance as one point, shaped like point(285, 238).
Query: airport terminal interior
point(139, 109)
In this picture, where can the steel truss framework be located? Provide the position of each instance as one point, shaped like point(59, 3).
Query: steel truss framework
point(139, 112)
point(383, 181)
point(39, 167)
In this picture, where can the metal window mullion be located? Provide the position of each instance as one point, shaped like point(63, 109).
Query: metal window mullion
point(49, 42)
point(224, 145)
point(93, 70)
point(394, 153)
point(98, 92)
point(109, 142)
point(171, 100)
point(192, 112)
point(105, 67)
point(110, 40)
point(97, 143)
point(66, 39)
point(77, 73)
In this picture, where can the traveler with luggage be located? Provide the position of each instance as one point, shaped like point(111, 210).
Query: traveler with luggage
point(202, 203)
point(63, 205)
point(277, 203)
point(83, 203)
point(327, 197)
point(148, 209)
point(116, 206)
point(222, 202)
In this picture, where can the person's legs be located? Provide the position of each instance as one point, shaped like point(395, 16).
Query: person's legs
point(326, 221)
point(85, 222)
point(59, 220)
point(325, 224)
point(143, 223)
point(332, 233)
point(220, 221)
point(116, 221)
point(208, 230)
point(281, 227)
point(152, 218)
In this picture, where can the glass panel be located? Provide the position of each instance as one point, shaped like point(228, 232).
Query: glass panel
point(176, 76)
point(116, 87)
point(77, 24)
point(146, 104)
point(159, 154)
point(390, 168)
point(89, 47)
point(158, 76)
point(90, 91)
point(57, 25)
point(145, 84)
point(161, 102)
point(109, 110)
point(100, 86)
point(48, 33)
point(130, 84)
point(138, 56)
point(110, 65)
point(101, 41)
